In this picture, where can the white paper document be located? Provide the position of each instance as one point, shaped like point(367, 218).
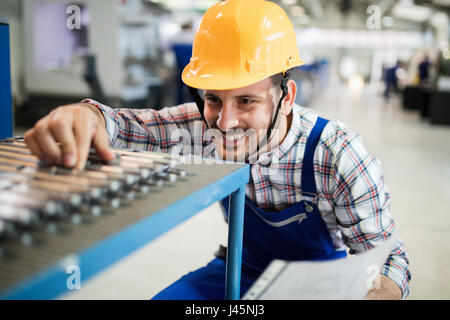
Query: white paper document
point(348, 278)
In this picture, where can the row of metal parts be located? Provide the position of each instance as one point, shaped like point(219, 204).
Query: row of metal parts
point(33, 195)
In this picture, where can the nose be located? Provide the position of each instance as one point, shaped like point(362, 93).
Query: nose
point(228, 117)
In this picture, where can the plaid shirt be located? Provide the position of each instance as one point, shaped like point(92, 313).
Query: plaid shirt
point(353, 200)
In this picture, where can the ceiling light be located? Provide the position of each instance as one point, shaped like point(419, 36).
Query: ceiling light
point(387, 22)
point(297, 11)
point(289, 2)
point(412, 12)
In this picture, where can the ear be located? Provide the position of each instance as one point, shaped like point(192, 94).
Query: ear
point(288, 101)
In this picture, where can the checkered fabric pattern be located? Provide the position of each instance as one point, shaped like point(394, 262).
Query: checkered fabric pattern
point(353, 199)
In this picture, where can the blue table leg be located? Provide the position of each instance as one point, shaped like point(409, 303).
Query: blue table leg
point(234, 251)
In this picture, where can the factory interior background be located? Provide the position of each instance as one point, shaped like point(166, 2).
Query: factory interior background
point(381, 67)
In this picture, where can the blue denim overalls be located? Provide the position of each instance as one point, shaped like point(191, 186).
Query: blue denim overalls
point(295, 233)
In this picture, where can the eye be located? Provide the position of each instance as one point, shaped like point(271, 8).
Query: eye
point(246, 101)
point(212, 100)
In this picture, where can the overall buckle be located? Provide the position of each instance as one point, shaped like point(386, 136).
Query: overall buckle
point(309, 207)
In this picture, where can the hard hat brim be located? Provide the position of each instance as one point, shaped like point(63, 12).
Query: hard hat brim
point(210, 81)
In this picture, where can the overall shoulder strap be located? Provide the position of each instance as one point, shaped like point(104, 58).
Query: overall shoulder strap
point(308, 181)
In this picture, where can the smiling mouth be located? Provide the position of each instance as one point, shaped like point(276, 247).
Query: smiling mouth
point(233, 141)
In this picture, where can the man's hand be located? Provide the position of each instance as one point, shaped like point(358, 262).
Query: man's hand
point(65, 136)
point(388, 290)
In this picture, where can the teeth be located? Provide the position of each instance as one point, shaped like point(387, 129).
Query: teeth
point(234, 138)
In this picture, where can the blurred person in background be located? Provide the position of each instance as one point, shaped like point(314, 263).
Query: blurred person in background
point(181, 44)
point(391, 79)
point(424, 71)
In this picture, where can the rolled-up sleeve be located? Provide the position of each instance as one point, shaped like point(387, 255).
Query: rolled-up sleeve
point(154, 130)
point(112, 120)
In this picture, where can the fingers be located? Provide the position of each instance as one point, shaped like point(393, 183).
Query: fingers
point(64, 137)
point(61, 129)
point(100, 142)
point(43, 141)
point(33, 145)
point(84, 129)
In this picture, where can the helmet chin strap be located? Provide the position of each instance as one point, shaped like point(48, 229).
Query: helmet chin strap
point(201, 107)
point(285, 91)
point(199, 102)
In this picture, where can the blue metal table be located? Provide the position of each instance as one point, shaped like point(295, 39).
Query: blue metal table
point(114, 236)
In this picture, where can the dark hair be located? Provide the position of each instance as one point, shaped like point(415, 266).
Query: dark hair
point(277, 78)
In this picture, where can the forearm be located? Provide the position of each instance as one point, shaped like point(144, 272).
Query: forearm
point(148, 129)
point(387, 290)
point(125, 127)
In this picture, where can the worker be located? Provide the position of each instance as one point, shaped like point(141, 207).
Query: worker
point(181, 45)
point(424, 71)
point(315, 192)
point(391, 79)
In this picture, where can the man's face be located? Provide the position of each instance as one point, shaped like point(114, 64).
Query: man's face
point(240, 118)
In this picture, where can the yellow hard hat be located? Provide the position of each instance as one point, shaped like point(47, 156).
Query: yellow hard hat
point(240, 42)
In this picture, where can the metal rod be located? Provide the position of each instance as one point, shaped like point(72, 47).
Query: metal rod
point(234, 251)
point(46, 206)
